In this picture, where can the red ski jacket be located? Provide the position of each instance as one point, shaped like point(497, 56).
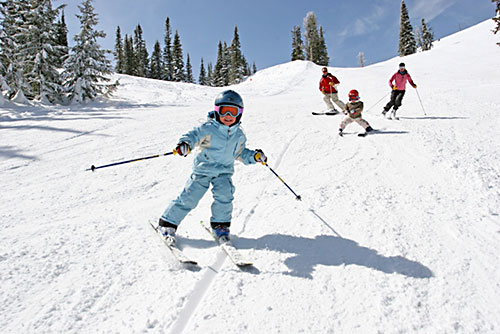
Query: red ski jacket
point(327, 82)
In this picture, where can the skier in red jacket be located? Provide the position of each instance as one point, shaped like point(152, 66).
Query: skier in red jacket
point(328, 86)
point(398, 84)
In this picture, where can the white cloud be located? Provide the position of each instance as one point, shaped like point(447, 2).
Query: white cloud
point(429, 9)
point(364, 24)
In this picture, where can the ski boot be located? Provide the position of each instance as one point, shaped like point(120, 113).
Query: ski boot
point(369, 129)
point(221, 231)
point(341, 133)
point(167, 231)
point(393, 115)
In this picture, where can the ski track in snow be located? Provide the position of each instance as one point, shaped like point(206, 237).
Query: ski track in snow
point(396, 232)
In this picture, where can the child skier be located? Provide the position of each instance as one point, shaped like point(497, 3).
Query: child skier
point(353, 111)
point(398, 84)
point(221, 141)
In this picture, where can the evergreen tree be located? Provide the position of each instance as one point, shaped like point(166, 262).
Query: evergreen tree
point(321, 51)
point(297, 44)
point(361, 59)
point(40, 53)
point(226, 68)
point(497, 17)
point(218, 72)
point(238, 67)
point(407, 43)
point(129, 56)
point(189, 70)
point(62, 39)
point(254, 68)
point(157, 66)
point(427, 37)
point(210, 75)
point(202, 79)
point(311, 36)
point(177, 59)
point(86, 69)
point(119, 52)
point(167, 52)
point(141, 53)
point(10, 60)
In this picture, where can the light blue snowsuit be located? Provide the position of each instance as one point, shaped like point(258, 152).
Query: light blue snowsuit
point(220, 145)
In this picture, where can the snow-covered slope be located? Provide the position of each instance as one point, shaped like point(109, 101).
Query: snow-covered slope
point(397, 232)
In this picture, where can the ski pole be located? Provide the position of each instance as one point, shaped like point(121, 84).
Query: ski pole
point(383, 97)
point(93, 168)
point(420, 102)
point(297, 197)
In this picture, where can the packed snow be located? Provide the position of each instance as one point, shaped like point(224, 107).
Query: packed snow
point(397, 232)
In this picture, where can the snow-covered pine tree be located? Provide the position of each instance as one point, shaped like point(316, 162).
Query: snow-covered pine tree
point(9, 32)
point(218, 72)
point(129, 56)
point(427, 37)
point(321, 51)
point(202, 78)
point(62, 39)
point(40, 53)
point(497, 18)
point(167, 52)
point(157, 67)
point(297, 44)
point(177, 60)
point(119, 52)
point(254, 68)
point(210, 75)
point(407, 43)
point(86, 69)
point(311, 36)
point(189, 70)
point(238, 67)
point(226, 69)
point(141, 53)
point(361, 59)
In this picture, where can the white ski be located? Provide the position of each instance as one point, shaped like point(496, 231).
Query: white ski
point(228, 247)
point(178, 254)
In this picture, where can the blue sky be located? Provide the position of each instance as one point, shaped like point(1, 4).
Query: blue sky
point(369, 26)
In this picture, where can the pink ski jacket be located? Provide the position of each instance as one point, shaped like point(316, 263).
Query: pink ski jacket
point(400, 80)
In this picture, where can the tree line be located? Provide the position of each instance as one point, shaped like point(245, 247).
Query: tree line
point(35, 60)
point(313, 46)
point(167, 62)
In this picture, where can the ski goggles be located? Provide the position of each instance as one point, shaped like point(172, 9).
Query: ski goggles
point(231, 110)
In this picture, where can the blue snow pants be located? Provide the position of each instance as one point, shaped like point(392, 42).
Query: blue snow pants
point(196, 187)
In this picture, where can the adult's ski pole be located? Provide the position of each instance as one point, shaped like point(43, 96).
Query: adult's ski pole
point(420, 102)
point(93, 168)
point(297, 197)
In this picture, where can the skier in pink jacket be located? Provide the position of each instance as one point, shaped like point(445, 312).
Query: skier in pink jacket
point(398, 84)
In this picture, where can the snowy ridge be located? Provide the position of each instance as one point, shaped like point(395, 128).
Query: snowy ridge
point(397, 232)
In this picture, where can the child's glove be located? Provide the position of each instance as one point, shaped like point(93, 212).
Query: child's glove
point(183, 149)
point(394, 87)
point(414, 86)
point(260, 156)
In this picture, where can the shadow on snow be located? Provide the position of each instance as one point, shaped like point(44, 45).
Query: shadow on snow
point(332, 251)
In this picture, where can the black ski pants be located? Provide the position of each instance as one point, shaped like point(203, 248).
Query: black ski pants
point(396, 100)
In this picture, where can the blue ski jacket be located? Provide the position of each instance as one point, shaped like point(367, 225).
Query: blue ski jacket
point(219, 146)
